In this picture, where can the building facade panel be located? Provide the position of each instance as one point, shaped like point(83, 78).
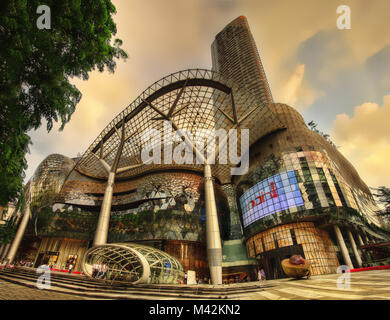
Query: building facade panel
point(316, 244)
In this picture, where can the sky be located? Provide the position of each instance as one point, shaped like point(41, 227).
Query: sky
point(338, 78)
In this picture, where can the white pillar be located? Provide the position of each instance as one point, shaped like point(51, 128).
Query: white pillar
point(19, 234)
point(5, 251)
point(101, 233)
point(361, 243)
point(343, 247)
point(2, 247)
point(214, 247)
point(354, 248)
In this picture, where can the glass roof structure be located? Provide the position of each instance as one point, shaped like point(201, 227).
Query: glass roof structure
point(48, 178)
point(192, 100)
point(134, 263)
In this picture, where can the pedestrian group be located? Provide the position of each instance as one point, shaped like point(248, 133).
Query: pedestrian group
point(99, 271)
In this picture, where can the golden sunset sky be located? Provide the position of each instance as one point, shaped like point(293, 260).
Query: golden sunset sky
point(338, 78)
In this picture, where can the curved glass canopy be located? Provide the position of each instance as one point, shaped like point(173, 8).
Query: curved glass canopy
point(191, 99)
point(134, 263)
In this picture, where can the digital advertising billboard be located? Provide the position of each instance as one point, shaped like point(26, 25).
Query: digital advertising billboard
point(269, 196)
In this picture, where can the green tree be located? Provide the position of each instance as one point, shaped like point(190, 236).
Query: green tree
point(36, 66)
point(313, 126)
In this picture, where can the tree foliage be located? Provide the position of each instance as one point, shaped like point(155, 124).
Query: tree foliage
point(36, 66)
point(313, 126)
point(383, 195)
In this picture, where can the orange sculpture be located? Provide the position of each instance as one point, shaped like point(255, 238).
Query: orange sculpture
point(296, 267)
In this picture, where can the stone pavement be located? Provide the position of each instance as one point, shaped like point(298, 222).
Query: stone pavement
point(11, 291)
point(366, 285)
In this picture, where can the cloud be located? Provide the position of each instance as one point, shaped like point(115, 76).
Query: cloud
point(297, 92)
point(344, 78)
point(364, 140)
point(378, 69)
point(291, 88)
point(315, 67)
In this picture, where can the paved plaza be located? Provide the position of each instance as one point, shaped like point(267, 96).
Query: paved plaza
point(11, 291)
point(368, 285)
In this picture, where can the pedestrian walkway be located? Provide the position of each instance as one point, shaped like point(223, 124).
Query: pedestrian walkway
point(11, 291)
point(367, 285)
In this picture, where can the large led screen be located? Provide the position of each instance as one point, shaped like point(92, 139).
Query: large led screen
point(272, 195)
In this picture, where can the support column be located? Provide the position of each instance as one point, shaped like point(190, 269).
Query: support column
point(101, 233)
point(343, 247)
point(5, 251)
point(19, 234)
point(214, 247)
point(2, 250)
point(365, 254)
point(354, 249)
point(361, 243)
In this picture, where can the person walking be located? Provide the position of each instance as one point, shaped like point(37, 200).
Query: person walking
point(100, 273)
point(105, 270)
point(261, 276)
point(70, 268)
point(95, 269)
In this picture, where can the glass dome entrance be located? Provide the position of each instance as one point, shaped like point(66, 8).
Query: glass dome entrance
point(134, 263)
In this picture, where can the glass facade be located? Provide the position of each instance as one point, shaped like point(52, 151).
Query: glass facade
point(235, 55)
point(48, 179)
point(192, 256)
point(275, 194)
point(59, 252)
point(316, 244)
point(299, 186)
point(302, 181)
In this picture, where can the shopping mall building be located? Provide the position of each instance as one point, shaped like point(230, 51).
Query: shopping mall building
point(150, 222)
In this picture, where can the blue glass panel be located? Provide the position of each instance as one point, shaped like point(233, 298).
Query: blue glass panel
point(291, 203)
point(285, 194)
point(297, 194)
point(293, 180)
point(289, 195)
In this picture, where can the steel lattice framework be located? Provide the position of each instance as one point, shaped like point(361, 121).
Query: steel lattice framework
point(134, 263)
point(192, 99)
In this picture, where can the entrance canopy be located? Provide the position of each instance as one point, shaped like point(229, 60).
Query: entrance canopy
point(134, 263)
point(190, 100)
